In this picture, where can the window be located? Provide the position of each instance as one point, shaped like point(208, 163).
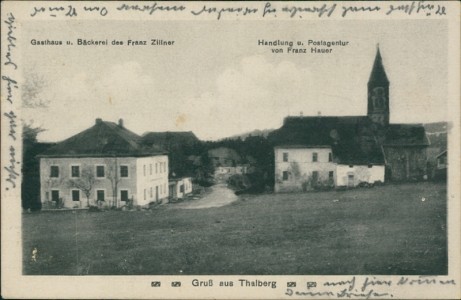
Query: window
point(144, 169)
point(156, 168)
point(144, 194)
point(314, 156)
point(151, 193)
point(150, 169)
point(55, 195)
point(370, 166)
point(351, 166)
point(285, 175)
point(285, 156)
point(54, 171)
point(330, 156)
point(100, 195)
point(123, 195)
point(164, 188)
point(123, 171)
point(315, 176)
point(75, 195)
point(74, 171)
point(330, 174)
point(100, 171)
point(181, 188)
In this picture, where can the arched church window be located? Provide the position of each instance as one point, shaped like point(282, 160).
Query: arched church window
point(379, 98)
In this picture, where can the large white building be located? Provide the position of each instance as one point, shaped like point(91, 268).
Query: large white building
point(302, 168)
point(104, 165)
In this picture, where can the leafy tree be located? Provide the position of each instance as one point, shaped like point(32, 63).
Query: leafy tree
point(85, 183)
point(114, 177)
point(30, 186)
point(32, 90)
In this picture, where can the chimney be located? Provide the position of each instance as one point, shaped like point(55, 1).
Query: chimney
point(98, 121)
point(120, 123)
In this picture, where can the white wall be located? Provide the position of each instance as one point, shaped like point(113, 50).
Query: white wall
point(300, 166)
point(135, 183)
point(152, 174)
point(361, 174)
point(61, 184)
point(187, 185)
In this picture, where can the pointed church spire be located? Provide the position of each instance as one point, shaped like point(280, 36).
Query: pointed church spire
point(377, 73)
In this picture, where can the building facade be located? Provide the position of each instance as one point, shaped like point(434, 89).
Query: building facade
point(105, 165)
point(180, 188)
point(299, 168)
point(360, 149)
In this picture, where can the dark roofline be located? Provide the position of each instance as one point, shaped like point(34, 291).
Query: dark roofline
point(406, 145)
point(163, 132)
point(99, 155)
point(360, 164)
point(301, 146)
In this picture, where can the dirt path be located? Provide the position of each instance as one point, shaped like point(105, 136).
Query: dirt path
point(220, 195)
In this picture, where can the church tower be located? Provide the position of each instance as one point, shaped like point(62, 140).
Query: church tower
point(378, 93)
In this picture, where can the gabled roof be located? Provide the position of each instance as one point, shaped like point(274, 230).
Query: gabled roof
point(102, 139)
point(406, 135)
point(377, 72)
point(350, 138)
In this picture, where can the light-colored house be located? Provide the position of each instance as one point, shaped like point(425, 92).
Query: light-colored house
point(299, 168)
point(104, 165)
point(353, 175)
point(303, 168)
point(222, 173)
point(349, 150)
point(179, 188)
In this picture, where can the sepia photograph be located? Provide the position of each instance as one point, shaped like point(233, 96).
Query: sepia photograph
point(232, 147)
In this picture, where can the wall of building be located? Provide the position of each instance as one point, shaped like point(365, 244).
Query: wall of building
point(406, 163)
point(152, 174)
point(181, 187)
point(369, 174)
point(134, 184)
point(300, 167)
point(63, 182)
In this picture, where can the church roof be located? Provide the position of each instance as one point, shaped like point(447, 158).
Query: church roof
point(350, 138)
point(406, 135)
point(377, 72)
point(102, 139)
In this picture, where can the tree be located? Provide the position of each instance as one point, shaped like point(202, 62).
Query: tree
point(85, 183)
point(32, 90)
point(113, 176)
point(30, 186)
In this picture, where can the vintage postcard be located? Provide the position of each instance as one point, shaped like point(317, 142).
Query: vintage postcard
point(230, 150)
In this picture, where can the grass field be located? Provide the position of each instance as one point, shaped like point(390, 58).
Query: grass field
point(382, 230)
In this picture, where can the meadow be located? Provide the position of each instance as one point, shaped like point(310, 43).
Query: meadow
point(391, 229)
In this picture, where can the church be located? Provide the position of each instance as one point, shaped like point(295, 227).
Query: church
point(324, 151)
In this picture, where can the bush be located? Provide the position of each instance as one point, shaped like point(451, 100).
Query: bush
point(363, 184)
point(94, 209)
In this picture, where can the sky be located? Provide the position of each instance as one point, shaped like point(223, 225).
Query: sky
point(217, 82)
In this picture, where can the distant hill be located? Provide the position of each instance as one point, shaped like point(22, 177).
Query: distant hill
point(257, 132)
point(170, 140)
point(437, 134)
point(437, 127)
